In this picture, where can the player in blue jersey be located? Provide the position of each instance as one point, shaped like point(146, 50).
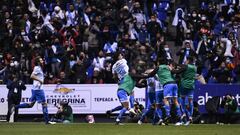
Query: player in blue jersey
point(37, 90)
point(155, 98)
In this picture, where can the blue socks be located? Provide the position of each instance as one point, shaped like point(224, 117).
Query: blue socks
point(183, 105)
point(179, 113)
point(45, 113)
point(122, 112)
point(167, 108)
point(24, 105)
point(158, 112)
point(116, 108)
point(131, 100)
point(144, 114)
point(189, 112)
point(190, 109)
point(44, 109)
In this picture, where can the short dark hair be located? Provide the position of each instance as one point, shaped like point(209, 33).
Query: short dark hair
point(190, 59)
point(115, 57)
point(37, 60)
point(162, 60)
point(64, 103)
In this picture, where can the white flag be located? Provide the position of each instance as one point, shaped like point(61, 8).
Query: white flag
point(31, 6)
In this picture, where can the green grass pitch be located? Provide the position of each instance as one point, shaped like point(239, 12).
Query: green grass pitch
point(111, 129)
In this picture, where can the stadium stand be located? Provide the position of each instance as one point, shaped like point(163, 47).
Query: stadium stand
point(70, 34)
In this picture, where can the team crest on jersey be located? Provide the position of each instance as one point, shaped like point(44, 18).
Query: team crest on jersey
point(63, 90)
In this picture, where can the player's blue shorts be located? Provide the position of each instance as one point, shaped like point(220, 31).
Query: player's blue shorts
point(159, 97)
point(170, 90)
point(122, 95)
point(38, 95)
point(186, 92)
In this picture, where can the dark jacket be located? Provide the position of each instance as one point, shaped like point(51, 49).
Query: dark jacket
point(15, 89)
point(181, 54)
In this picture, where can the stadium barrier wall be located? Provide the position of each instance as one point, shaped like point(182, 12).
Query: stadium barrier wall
point(97, 98)
point(204, 92)
point(83, 98)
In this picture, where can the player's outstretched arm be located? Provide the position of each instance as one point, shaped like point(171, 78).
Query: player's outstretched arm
point(138, 76)
point(180, 68)
point(141, 83)
point(153, 73)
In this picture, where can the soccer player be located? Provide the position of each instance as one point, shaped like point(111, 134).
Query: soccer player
point(126, 83)
point(155, 96)
point(131, 101)
point(170, 88)
point(37, 90)
point(187, 86)
point(150, 89)
point(159, 102)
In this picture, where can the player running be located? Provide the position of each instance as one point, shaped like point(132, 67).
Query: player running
point(131, 110)
point(37, 90)
point(126, 83)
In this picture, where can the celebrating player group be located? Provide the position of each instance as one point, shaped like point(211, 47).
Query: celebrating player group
point(164, 91)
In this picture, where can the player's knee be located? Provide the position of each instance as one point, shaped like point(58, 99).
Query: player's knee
point(126, 106)
point(175, 101)
point(165, 100)
point(44, 104)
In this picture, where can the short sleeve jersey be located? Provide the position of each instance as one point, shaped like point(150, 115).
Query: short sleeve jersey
point(37, 71)
point(120, 68)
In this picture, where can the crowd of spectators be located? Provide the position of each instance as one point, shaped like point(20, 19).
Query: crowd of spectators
point(78, 38)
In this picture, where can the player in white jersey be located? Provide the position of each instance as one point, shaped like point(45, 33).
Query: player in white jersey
point(120, 68)
point(37, 89)
point(126, 82)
